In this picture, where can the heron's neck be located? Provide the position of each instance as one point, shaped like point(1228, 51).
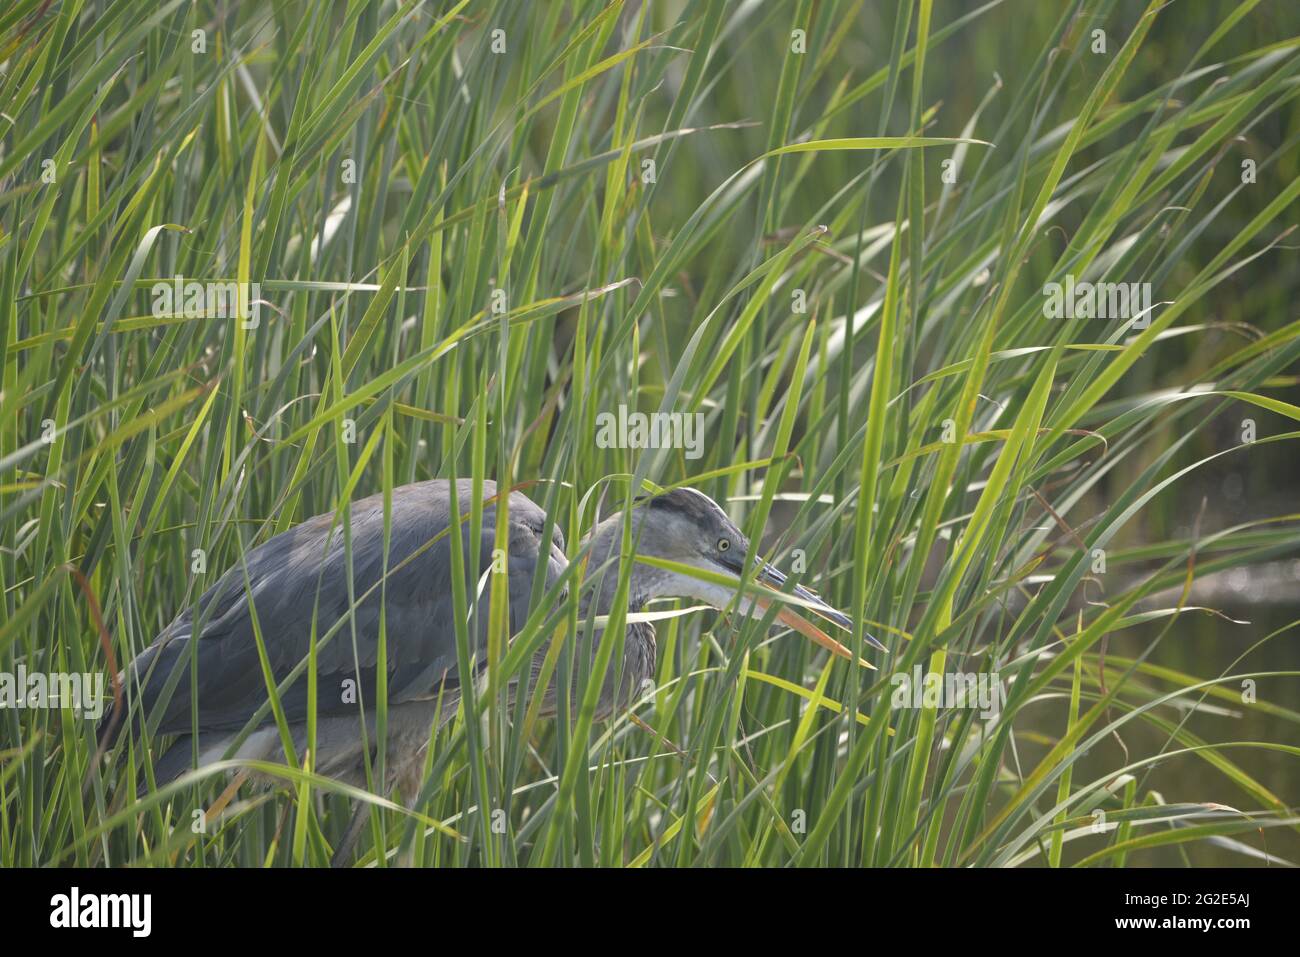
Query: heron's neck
point(604, 565)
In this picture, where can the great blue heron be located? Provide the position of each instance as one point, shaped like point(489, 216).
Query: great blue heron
point(298, 581)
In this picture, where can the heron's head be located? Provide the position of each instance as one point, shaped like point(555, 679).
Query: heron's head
point(687, 528)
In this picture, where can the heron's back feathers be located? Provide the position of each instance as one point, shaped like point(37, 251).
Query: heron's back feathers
point(297, 584)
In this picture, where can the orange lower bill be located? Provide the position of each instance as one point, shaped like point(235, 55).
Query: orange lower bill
point(812, 632)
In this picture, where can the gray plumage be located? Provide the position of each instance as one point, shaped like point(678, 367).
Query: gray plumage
point(303, 571)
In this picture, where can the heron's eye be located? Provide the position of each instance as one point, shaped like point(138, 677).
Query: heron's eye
point(723, 544)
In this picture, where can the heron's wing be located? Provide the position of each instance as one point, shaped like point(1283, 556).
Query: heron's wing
point(299, 581)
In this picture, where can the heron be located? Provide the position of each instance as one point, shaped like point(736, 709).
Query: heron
point(296, 585)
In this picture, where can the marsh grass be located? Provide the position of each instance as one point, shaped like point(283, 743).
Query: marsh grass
point(464, 260)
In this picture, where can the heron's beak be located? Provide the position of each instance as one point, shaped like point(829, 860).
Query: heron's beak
point(771, 577)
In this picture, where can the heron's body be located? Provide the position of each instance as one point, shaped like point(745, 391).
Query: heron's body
point(302, 572)
point(299, 582)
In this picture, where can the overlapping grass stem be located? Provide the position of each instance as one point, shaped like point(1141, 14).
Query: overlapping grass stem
point(829, 229)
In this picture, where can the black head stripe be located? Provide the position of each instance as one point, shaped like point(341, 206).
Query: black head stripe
point(695, 507)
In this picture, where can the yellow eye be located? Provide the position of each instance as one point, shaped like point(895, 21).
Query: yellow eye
point(723, 544)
